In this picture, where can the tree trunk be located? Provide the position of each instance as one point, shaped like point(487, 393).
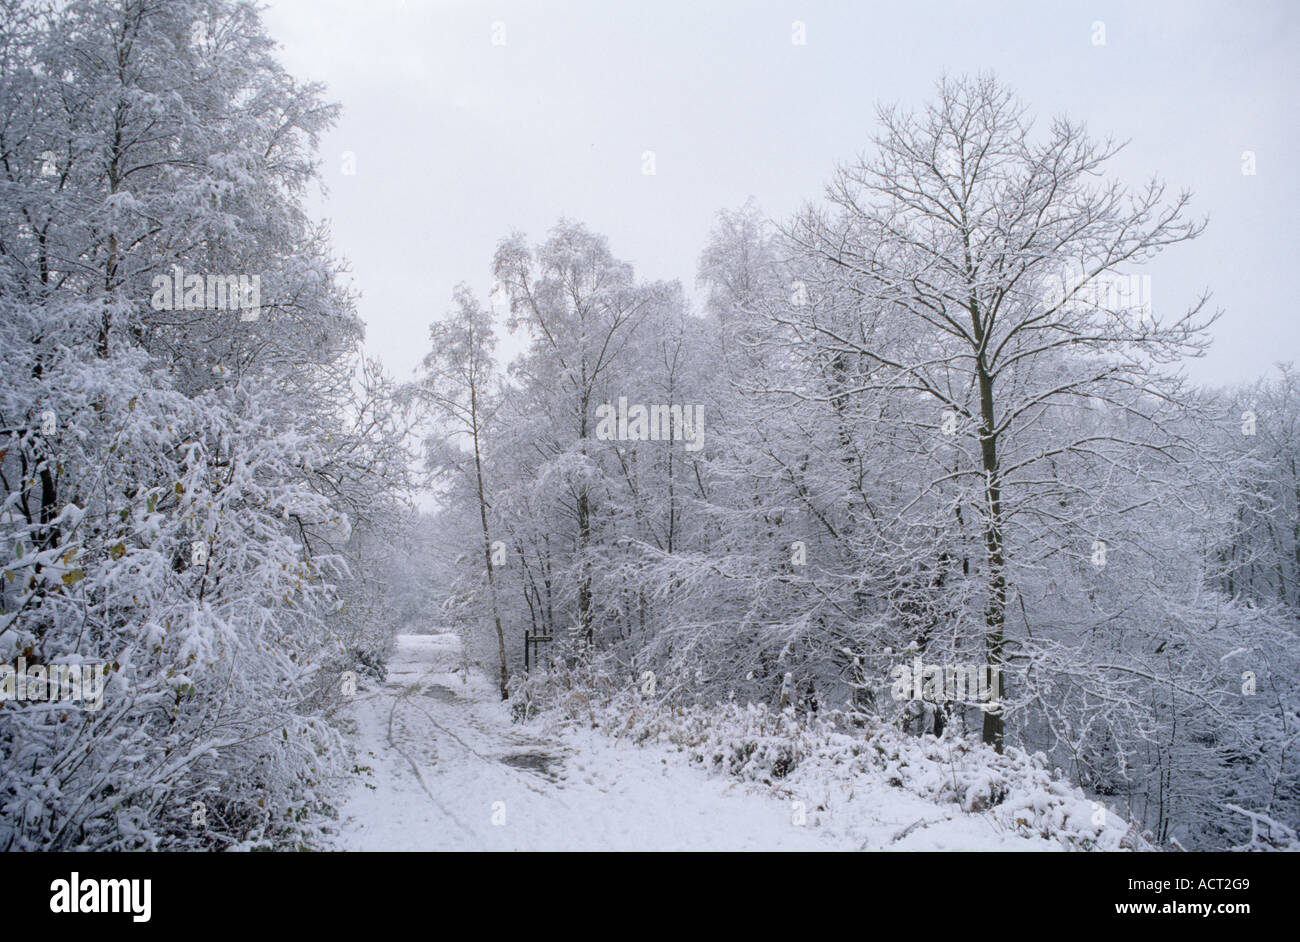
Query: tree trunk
point(996, 605)
point(487, 544)
point(586, 630)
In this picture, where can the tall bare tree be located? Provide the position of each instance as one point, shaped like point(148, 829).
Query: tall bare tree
point(458, 383)
point(581, 306)
point(1000, 263)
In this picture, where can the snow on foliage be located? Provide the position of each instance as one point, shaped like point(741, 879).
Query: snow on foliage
point(188, 498)
point(821, 757)
point(942, 422)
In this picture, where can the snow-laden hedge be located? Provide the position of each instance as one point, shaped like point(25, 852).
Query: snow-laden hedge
point(797, 753)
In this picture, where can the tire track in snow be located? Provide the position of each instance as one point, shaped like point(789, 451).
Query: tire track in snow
point(415, 767)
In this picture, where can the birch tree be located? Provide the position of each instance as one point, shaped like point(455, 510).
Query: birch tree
point(458, 385)
point(582, 308)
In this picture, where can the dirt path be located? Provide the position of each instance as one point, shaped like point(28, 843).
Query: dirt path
point(448, 770)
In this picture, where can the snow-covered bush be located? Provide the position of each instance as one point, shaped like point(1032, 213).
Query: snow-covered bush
point(795, 752)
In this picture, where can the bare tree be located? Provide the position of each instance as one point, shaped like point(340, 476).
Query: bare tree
point(457, 384)
point(581, 306)
point(998, 263)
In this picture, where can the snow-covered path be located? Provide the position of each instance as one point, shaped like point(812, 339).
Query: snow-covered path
point(441, 767)
point(454, 761)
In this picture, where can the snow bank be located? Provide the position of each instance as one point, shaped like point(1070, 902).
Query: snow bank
point(833, 758)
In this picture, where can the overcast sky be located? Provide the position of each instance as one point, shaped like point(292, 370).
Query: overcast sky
point(458, 140)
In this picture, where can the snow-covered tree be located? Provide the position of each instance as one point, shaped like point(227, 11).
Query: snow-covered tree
point(180, 473)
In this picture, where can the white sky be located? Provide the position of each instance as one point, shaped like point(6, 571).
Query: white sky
point(459, 141)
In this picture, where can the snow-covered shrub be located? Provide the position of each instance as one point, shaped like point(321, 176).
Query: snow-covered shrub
point(214, 704)
point(791, 751)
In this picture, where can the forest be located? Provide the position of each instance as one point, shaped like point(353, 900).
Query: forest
point(932, 430)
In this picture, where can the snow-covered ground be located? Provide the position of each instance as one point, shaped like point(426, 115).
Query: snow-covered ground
point(441, 767)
